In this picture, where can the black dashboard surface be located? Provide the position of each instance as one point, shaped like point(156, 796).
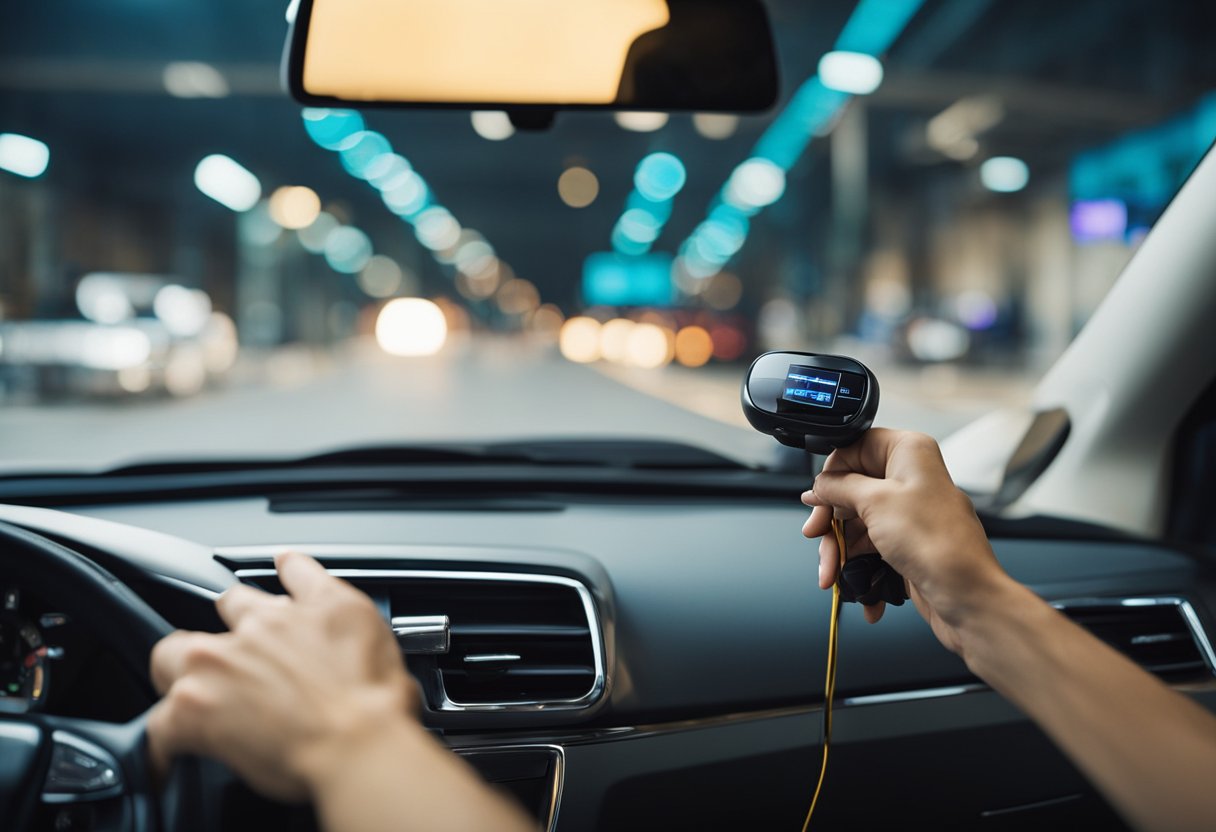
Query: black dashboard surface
point(719, 641)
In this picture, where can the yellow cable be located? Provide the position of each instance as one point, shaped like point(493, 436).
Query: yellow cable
point(829, 685)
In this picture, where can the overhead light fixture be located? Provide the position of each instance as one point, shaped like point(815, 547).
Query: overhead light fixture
point(193, 79)
point(641, 122)
point(1004, 174)
point(23, 156)
point(494, 125)
point(855, 73)
point(227, 182)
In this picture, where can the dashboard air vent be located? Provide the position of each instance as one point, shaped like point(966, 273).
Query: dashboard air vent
point(515, 641)
point(1162, 635)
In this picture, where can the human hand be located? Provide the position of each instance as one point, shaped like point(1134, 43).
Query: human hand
point(896, 497)
point(296, 680)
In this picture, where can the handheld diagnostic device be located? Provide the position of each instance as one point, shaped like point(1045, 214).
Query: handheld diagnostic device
point(810, 401)
point(818, 403)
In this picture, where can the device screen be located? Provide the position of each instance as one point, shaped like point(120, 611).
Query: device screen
point(811, 385)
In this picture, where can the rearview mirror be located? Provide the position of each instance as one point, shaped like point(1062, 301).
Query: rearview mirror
point(696, 55)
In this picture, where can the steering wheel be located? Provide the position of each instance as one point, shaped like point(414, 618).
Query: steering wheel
point(82, 764)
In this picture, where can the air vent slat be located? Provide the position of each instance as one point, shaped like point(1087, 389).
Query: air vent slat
point(519, 630)
point(1151, 632)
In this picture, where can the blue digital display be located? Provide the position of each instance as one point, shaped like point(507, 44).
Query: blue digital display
point(811, 385)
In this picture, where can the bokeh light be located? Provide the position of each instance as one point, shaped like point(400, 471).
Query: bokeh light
point(331, 129)
point(411, 327)
point(660, 176)
point(347, 249)
point(406, 194)
point(649, 346)
point(1004, 174)
point(436, 228)
point(579, 340)
point(294, 206)
point(614, 337)
point(546, 321)
point(184, 312)
point(23, 155)
point(754, 184)
point(855, 73)
point(313, 237)
point(694, 346)
point(361, 150)
point(578, 187)
point(227, 182)
point(716, 126)
point(517, 297)
point(641, 122)
point(494, 125)
point(381, 277)
point(729, 342)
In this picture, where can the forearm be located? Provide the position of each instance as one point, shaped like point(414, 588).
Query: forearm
point(401, 779)
point(1150, 750)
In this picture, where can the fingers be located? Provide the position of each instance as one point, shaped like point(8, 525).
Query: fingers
point(829, 561)
point(161, 741)
point(848, 491)
point(873, 612)
point(302, 576)
point(170, 657)
point(820, 521)
point(239, 601)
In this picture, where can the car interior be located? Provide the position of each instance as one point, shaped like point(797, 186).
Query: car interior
point(618, 625)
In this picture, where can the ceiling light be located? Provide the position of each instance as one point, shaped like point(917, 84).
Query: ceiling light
point(229, 184)
point(193, 79)
point(855, 73)
point(23, 156)
point(1004, 174)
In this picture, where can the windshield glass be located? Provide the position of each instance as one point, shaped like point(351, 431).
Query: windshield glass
point(193, 266)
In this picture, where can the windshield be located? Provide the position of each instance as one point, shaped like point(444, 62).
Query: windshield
point(192, 266)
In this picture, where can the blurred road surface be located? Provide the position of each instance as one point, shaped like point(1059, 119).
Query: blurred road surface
point(294, 403)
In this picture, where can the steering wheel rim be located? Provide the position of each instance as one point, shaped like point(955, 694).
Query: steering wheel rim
point(33, 745)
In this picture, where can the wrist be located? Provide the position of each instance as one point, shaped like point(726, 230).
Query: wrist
point(1006, 615)
point(359, 736)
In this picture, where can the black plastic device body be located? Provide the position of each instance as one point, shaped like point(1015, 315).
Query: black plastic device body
point(812, 401)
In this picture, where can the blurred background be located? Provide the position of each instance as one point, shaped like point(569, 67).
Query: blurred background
point(191, 264)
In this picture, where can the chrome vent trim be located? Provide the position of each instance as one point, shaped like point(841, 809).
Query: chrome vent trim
point(447, 704)
point(1185, 611)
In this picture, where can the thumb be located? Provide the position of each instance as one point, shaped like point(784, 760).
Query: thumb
point(846, 490)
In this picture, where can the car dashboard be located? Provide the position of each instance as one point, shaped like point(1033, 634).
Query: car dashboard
point(623, 662)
